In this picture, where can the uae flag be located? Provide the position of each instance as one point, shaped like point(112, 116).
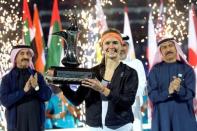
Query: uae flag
point(39, 42)
point(192, 46)
point(28, 29)
point(55, 45)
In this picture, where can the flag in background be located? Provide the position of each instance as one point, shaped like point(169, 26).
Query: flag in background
point(100, 18)
point(153, 37)
point(55, 45)
point(28, 31)
point(101, 25)
point(152, 44)
point(150, 53)
point(192, 46)
point(39, 42)
point(155, 33)
point(127, 31)
point(192, 40)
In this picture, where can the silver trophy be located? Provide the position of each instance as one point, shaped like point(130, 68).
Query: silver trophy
point(70, 73)
point(70, 36)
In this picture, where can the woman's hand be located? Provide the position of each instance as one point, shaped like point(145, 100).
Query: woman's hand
point(50, 72)
point(95, 84)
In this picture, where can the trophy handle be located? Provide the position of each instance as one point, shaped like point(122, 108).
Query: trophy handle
point(71, 38)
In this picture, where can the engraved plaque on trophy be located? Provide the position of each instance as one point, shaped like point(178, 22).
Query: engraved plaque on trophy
point(71, 73)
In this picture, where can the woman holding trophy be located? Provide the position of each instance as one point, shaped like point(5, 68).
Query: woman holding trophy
point(108, 97)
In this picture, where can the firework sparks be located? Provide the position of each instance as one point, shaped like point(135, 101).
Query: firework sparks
point(170, 21)
point(10, 32)
point(91, 25)
point(9, 35)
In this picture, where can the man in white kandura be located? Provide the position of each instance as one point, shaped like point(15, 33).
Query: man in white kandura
point(138, 66)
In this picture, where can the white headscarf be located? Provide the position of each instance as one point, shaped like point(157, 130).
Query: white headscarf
point(16, 50)
point(158, 56)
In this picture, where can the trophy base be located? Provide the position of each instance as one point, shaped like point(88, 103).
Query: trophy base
point(69, 75)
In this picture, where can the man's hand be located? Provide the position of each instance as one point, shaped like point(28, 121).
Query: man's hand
point(34, 80)
point(174, 85)
point(27, 85)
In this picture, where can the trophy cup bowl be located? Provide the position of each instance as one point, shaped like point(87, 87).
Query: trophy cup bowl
point(70, 74)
